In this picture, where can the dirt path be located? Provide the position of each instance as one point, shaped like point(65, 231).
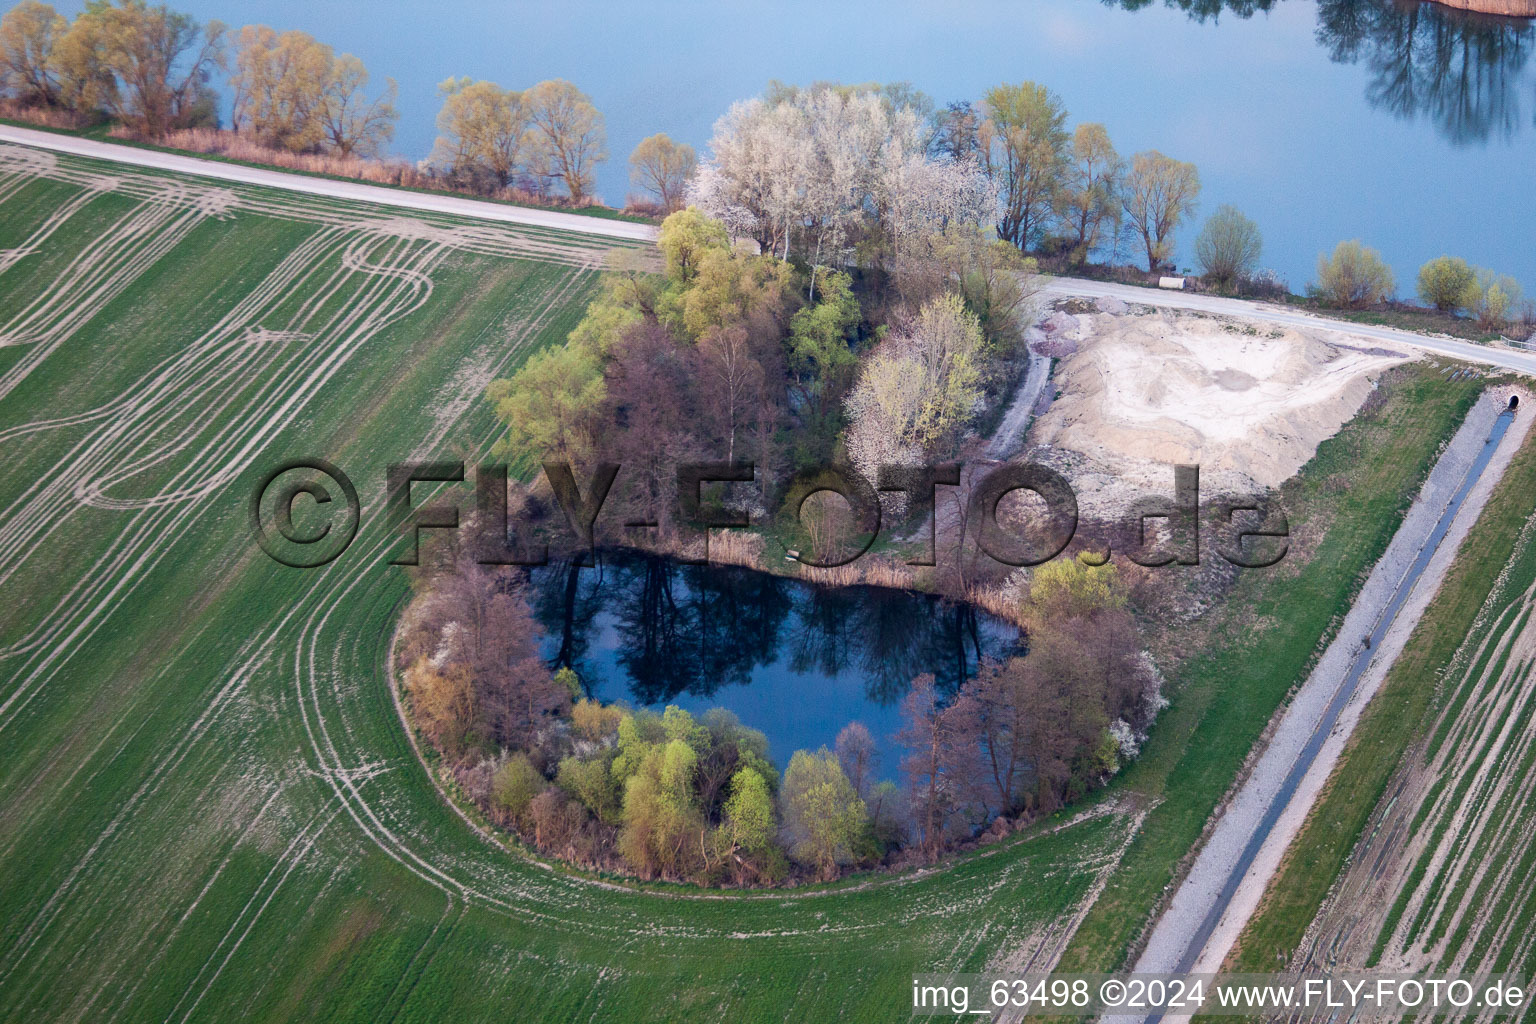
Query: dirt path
point(1213, 903)
point(458, 205)
point(1010, 433)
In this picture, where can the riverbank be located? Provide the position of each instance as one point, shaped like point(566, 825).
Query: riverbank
point(605, 221)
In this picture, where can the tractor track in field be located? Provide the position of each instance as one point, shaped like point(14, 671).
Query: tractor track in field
point(1441, 875)
point(395, 283)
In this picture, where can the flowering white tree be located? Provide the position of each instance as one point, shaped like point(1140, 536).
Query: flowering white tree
point(884, 408)
point(925, 196)
point(812, 168)
point(917, 389)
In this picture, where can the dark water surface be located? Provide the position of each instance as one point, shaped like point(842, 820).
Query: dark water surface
point(1405, 124)
point(796, 660)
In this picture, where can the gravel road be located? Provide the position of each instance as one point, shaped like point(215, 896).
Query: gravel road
point(1265, 312)
point(356, 190)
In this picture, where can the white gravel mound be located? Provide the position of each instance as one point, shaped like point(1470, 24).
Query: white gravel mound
point(1248, 403)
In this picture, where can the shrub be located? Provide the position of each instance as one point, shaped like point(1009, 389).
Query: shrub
point(1489, 297)
point(1354, 276)
point(591, 782)
point(1266, 284)
point(516, 784)
point(823, 816)
point(596, 721)
point(1443, 282)
point(1229, 246)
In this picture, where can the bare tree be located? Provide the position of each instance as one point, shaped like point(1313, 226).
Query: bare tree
point(29, 34)
point(353, 122)
point(567, 134)
point(1089, 200)
point(935, 765)
point(733, 376)
point(1160, 193)
point(481, 128)
point(161, 58)
point(662, 167)
point(860, 758)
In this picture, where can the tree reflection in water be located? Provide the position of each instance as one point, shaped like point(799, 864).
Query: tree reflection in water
point(674, 629)
point(1465, 72)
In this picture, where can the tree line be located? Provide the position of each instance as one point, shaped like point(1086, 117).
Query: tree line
point(1355, 276)
point(150, 68)
point(808, 165)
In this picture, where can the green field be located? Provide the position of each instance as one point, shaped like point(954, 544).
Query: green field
point(208, 806)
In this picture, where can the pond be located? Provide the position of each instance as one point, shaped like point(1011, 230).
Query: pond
point(1408, 125)
point(797, 660)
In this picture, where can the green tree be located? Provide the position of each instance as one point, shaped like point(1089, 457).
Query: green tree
point(638, 733)
point(1023, 143)
point(684, 238)
point(1229, 246)
point(1443, 282)
point(819, 353)
point(1067, 588)
point(549, 406)
point(749, 812)
point(823, 817)
point(946, 342)
point(1159, 194)
point(515, 785)
point(591, 781)
point(678, 725)
point(1354, 276)
point(663, 829)
point(662, 167)
point(918, 389)
point(30, 32)
point(1488, 299)
point(730, 288)
point(567, 679)
point(997, 282)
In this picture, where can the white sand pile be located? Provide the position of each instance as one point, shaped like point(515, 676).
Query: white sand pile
point(1247, 403)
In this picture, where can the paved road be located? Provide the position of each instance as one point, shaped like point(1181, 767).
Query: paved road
point(356, 190)
point(1523, 362)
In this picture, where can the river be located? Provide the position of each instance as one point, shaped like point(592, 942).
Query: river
point(1407, 125)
